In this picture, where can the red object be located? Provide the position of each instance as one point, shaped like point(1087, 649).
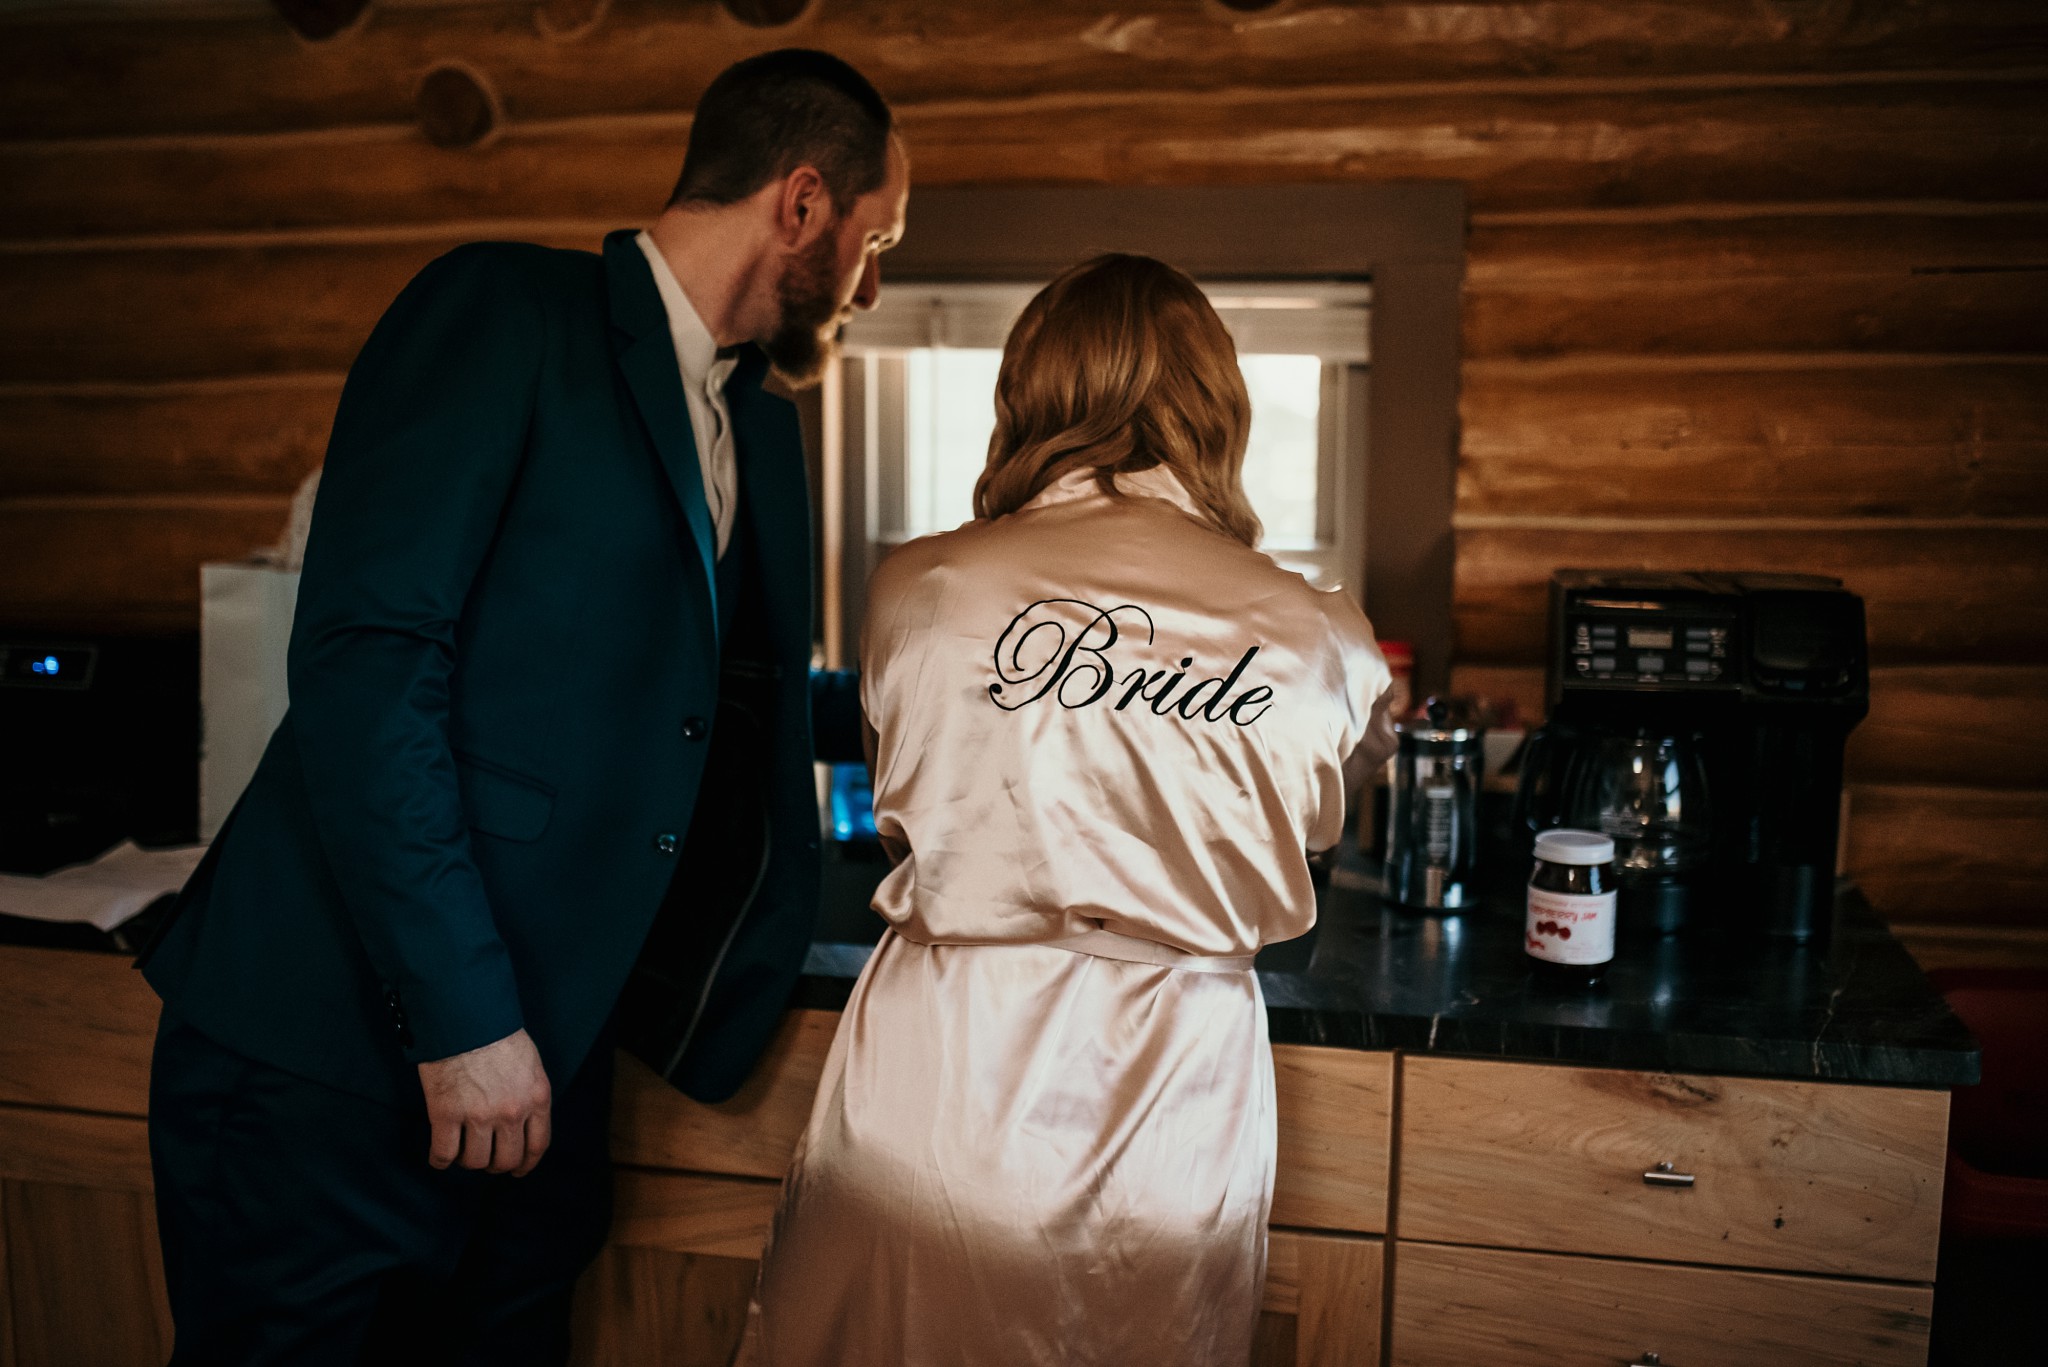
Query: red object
point(1996, 1185)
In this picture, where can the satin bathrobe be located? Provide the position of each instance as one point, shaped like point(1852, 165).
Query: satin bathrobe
point(1108, 734)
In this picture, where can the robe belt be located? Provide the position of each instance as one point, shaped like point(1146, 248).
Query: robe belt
point(1108, 944)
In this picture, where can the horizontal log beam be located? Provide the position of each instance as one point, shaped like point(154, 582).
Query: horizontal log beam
point(242, 72)
point(1915, 139)
point(1951, 855)
point(159, 313)
point(1962, 725)
point(1927, 440)
point(255, 436)
point(1921, 282)
point(1932, 594)
point(1874, 282)
point(106, 564)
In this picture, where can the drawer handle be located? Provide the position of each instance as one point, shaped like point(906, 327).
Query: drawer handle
point(1648, 1360)
point(1663, 1176)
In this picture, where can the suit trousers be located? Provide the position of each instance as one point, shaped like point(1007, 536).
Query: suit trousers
point(303, 1224)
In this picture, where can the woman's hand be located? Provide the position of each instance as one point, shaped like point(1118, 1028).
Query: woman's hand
point(1376, 747)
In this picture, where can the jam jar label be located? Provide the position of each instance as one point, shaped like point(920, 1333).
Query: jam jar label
point(1570, 928)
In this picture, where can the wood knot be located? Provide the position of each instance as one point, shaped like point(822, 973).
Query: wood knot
point(765, 13)
point(569, 18)
point(319, 19)
point(1682, 1090)
point(456, 106)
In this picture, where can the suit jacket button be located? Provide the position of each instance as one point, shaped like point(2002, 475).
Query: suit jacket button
point(694, 728)
point(665, 842)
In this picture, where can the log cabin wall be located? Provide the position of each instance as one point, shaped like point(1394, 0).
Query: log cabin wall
point(1752, 283)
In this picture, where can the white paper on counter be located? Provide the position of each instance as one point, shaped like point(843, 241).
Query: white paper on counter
point(105, 892)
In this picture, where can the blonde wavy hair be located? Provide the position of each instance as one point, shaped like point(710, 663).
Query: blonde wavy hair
point(1119, 365)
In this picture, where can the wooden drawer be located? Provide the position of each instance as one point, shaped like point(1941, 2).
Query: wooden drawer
point(1487, 1307)
point(1335, 1119)
point(76, 1029)
point(1809, 1176)
point(1336, 1134)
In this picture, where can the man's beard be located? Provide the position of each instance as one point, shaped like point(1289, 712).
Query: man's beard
point(808, 298)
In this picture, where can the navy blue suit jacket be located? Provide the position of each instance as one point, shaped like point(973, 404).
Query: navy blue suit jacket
point(502, 673)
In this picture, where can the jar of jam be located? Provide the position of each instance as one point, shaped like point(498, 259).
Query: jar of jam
point(1569, 933)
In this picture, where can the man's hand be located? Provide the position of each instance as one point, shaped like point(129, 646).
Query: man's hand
point(1375, 747)
point(489, 1107)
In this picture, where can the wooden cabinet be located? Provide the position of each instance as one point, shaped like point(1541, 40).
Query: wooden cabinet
point(80, 1279)
point(697, 1186)
point(1468, 1307)
point(1805, 1176)
point(1511, 1221)
point(1530, 1165)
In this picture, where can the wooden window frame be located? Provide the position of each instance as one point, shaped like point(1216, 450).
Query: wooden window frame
point(1407, 239)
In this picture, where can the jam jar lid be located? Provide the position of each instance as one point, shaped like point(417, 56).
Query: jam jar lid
point(1574, 847)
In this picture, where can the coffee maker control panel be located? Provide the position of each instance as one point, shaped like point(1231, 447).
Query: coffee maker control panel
point(1643, 643)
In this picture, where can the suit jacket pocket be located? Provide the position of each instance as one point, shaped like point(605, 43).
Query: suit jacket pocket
point(502, 803)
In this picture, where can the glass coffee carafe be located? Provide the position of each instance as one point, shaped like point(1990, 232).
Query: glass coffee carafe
point(1649, 792)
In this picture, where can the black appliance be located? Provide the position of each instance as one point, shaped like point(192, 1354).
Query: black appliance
point(1700, 718)
point(99, 742)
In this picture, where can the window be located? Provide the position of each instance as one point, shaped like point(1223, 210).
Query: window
point(914, 408)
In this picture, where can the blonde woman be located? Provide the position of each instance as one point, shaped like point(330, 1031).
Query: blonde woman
point(1104, 729)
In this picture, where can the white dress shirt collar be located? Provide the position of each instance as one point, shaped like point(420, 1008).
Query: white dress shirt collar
point(704, 370)
point(696, 350)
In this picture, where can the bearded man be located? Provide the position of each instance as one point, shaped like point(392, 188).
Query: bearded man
point(545, 781)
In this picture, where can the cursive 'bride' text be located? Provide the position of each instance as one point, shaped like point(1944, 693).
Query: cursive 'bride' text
point(1058, 649)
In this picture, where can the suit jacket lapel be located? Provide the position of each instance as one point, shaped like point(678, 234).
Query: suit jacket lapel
point(647, 358)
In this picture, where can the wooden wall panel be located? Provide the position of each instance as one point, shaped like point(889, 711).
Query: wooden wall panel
point(1983, 726)
point(166, 312)
point(1951, 855)
point(110, 564)
point(1748, 286)
point(1933, 592)
point(1877, 282)
point(1513, 150)
point(258, 435)
point(1923, 439)
point(245, 71)
point(1899, 282)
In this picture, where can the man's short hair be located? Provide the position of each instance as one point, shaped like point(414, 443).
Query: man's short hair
point(763, 117)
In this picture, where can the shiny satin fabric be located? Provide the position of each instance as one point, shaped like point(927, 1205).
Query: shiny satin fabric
point(1044, 1137)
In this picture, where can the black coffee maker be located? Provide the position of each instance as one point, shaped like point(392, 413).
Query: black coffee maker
point(1700, 719)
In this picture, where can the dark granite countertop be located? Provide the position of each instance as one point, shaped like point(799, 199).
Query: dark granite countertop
point(1855, 1009)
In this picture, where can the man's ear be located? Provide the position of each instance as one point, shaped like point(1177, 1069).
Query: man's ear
point(803, 209)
